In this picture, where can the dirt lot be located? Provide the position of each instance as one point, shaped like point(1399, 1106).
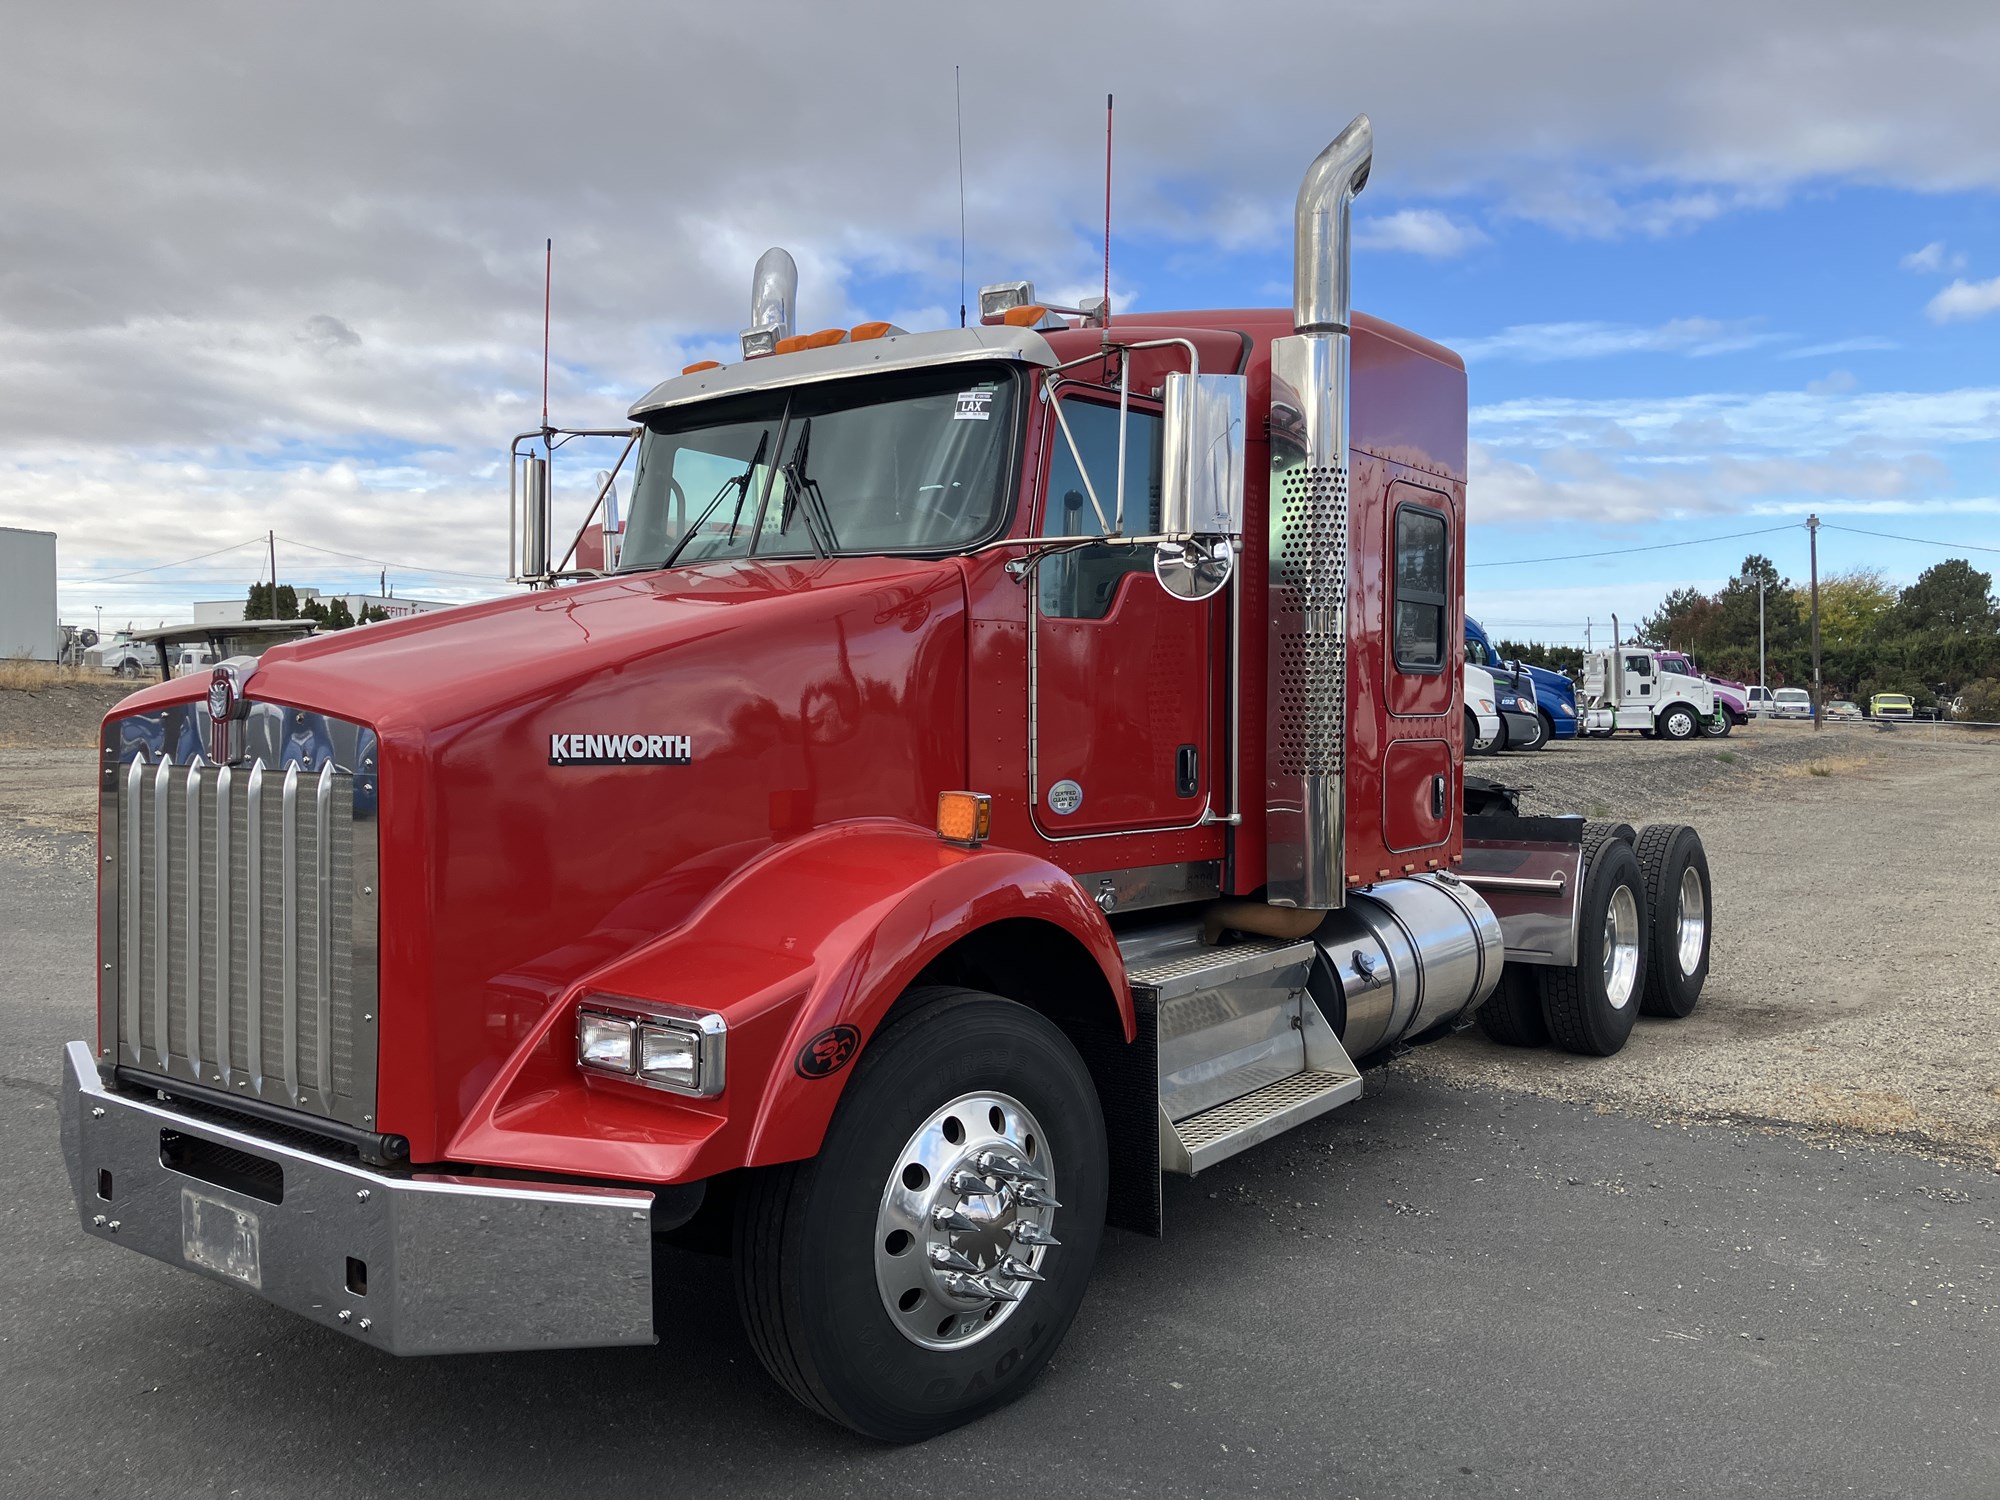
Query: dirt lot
point(1854, 982)
point(1855, 978)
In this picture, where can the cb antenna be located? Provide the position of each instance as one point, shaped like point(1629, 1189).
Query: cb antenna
point(958, 105)
point(548, 285)
point(1107, 217)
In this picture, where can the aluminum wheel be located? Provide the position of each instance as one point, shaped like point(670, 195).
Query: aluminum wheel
point(965, 1219)
point(1693, 920)
point(1621, 948)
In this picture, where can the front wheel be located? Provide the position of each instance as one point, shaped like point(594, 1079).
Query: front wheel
point(924, 1266)
point(1474, 745)
point(1678, 723)
point(1718, 724)
point(1537, 737)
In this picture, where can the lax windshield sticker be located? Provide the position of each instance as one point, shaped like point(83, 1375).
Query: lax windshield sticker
point(973, 406)
point(620, 750)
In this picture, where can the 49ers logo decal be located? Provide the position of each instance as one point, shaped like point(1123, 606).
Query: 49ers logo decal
point(827, 1053)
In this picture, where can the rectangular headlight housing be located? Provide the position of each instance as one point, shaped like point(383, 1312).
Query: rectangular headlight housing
point(670, 1047)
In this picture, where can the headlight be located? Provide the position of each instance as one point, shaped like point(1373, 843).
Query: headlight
point(1486, 705)
point(664, 1047)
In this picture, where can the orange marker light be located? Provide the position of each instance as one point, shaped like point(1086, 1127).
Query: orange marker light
point(701, 364)
point(818, 340)
point(964, 817)
point(861, 333)
point(1023, 317)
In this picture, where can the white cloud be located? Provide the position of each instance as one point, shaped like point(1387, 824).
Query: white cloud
point(1421, 231)
point(1933, 259)
point(1543, 343)
point(1866, 343)
point(1965, 299)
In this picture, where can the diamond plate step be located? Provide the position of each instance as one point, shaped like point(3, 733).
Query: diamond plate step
point(1217, 1134)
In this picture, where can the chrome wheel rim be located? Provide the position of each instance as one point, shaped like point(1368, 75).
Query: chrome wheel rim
point(1621, 947)
point(1693, 930)
point(965, 1221)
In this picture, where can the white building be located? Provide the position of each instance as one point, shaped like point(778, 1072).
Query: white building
point(28, 623)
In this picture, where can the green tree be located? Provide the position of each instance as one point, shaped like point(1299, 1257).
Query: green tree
point(339, 616)
point(1557, 658)
point(370, 613)
point(261, 606)
point(1951, 598)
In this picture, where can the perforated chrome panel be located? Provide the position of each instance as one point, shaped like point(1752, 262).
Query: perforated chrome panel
point(1306, 730)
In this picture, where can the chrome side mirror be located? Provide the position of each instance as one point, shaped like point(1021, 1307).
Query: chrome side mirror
point(1201, 483)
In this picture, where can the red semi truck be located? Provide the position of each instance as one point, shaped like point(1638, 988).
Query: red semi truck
point(1007, 765)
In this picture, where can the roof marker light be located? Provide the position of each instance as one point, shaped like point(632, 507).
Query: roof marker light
point(820, 340)
point(861, 333)
point(701, 364)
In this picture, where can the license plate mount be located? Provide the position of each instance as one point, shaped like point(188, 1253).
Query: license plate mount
point(222, 1238)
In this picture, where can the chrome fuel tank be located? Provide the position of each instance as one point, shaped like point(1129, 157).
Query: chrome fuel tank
point(1403, 957)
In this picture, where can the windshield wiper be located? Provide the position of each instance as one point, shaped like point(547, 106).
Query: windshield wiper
point(799, 487)
point(741, 484)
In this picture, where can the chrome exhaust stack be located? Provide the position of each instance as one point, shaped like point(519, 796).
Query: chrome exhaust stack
point(1306, 724)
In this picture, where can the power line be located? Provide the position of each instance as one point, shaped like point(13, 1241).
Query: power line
point(1522, 562)
point(1921, 541)
point(156, 567)
point(384, 562)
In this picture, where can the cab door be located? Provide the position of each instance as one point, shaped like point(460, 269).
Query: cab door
point(1120, 698)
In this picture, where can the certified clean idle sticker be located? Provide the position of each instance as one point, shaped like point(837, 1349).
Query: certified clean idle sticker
point(620, 750)
point(1065, 797)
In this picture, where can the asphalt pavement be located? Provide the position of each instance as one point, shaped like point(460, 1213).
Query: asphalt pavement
point(1430, 1292)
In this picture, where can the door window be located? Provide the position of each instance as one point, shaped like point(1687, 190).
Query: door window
point(1423, 540)
point(1080, 585)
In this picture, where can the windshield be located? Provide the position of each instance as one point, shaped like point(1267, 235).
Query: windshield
point(914, 462)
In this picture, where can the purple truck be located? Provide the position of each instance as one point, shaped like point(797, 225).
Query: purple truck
point(1732, 698)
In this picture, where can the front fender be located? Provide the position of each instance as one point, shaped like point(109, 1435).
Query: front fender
point(823, 931)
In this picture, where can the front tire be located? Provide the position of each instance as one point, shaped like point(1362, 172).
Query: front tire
point(1682, 906)
point(851, 1266)
point(1590, 1009)
point(1474, 745)
point(1678, 723)
point(1539, 738)
point(1718, 724)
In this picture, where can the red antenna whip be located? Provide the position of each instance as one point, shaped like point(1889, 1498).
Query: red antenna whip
point(1107, 215)
point(548, 282)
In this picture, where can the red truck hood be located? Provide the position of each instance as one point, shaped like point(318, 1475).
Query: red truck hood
point(802, 693)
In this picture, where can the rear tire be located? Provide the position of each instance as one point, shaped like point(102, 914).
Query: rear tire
point(1681, 907)
point(1590, 1009)
point(1677, 722)
point(1512, 1015)
point(808, 1272)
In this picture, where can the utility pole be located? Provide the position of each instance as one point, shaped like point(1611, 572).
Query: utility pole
point(1586, 633)
point(271, 537)
point(1812, 532)
point(1760, 639)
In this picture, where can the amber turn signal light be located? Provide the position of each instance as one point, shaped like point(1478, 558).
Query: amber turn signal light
point(964, 817)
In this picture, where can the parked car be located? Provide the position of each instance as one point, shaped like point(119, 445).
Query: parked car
point(1840, 708)
point(188, 660)
point(1482, 715)
point(1892, 706)
point(1791, 703)
point(1756, 700)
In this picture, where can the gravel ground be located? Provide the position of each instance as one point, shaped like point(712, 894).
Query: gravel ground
point(1852, 978)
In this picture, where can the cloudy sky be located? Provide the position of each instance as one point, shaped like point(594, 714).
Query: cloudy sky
point(266, 267)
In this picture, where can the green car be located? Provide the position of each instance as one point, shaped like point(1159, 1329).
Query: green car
point(1891, 706)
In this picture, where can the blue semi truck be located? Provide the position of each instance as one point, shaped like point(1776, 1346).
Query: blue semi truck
point(1552, 693)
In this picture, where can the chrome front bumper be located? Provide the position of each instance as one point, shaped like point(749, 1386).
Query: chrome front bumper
point(451, 1265)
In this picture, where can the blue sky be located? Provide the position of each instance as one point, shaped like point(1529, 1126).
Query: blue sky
point(1712, 268)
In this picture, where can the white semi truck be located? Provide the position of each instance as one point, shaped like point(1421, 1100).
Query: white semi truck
point(1628, 687)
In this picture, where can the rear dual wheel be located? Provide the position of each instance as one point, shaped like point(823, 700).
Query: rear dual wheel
point(1679, 902)
point(1590, 1008)
point(920, 1270)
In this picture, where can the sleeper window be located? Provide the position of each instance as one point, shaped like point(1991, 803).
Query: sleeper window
point(1421, 609)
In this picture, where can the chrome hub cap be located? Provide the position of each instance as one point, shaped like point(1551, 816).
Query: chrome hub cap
point(1693, 920)
point(965, 1221)
point(1621, 948)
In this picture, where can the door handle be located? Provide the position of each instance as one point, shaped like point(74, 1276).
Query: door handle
point(1187, 771)
point(1437, 796)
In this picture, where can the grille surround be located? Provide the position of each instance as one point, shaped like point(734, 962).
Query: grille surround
point(238, 909)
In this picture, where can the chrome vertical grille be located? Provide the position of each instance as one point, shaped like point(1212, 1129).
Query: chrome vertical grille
point(239, 915)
